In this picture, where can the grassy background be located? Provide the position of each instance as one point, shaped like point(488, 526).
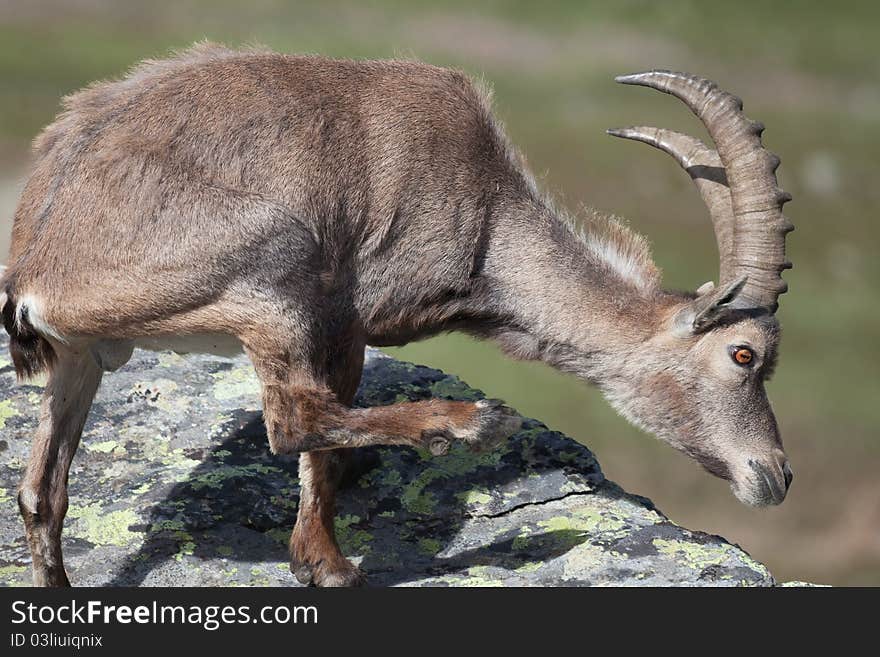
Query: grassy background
point(809, 70)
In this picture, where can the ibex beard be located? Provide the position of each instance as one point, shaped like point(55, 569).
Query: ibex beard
point(302, 207)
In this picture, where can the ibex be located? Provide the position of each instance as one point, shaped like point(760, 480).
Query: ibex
point(301, 207)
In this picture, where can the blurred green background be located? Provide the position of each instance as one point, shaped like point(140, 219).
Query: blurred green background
point(809, 70)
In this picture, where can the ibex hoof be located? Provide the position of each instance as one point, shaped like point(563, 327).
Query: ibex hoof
point(342, 574)
point(347, 578)
point(303, 572)
point(496, 423)
point(439, 445)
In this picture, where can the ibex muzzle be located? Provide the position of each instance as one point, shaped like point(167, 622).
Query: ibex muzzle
point(302, 207)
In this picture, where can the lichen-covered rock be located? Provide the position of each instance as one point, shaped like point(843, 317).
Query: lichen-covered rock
point(174, 485)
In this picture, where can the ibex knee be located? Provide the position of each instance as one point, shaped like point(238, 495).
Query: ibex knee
point(42, 509)
point(298, 419)
point(29, 503)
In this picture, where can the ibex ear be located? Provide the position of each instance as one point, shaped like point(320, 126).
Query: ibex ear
point(710, 305)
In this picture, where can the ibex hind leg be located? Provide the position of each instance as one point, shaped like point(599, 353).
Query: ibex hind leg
point(42, 498)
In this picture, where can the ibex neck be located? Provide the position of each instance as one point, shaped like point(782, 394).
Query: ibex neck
point(580, 301)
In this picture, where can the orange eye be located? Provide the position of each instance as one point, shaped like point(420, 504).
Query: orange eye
point(743, 355)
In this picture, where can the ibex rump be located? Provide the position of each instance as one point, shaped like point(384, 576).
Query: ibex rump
point(303, 207)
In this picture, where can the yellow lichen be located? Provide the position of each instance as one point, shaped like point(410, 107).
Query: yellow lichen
point(237, 382)
point(474, 497)
point(103, 528)
point(11, 571)
point(104, 447)
point(695, 555)
point(7, 411)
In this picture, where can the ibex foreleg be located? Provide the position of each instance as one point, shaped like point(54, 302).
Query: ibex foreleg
point(312, 418)
point(42, 496)
point(311, 413)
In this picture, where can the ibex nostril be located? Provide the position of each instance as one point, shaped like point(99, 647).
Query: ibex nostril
point(788, 474)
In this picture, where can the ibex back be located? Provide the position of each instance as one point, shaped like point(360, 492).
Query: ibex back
point(302, 207)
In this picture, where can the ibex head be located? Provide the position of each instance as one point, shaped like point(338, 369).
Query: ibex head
point(699, 382)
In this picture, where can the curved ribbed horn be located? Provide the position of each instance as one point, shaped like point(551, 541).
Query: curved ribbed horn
point(759, 224)
point(704, 167)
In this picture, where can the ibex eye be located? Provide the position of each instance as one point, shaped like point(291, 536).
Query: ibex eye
point(742, 355)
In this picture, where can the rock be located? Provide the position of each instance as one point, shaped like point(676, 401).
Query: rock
point(174, 485)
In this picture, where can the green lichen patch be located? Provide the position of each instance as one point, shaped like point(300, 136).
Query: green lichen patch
point(143, 488)
point(7, 411)
point(169, 359)
point(587, 559)
point(279, 535)
point(701, 556)
point(11, 575)
point(474, 497)
point(415, 499)
point(596, 521)
point(451, 387)
point(351, 539)
point(217, 476)
point(100, 527)
point(429, 546)
point(482, 576)
point(236, 383)
point(104, 446)
point(556, 541)
point(175, 528)
point(529, 567)
point(186, 549)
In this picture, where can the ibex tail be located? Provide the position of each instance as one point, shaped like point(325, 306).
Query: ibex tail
point(31, 352)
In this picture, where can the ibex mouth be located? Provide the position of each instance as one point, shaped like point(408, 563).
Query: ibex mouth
point(772, 488)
